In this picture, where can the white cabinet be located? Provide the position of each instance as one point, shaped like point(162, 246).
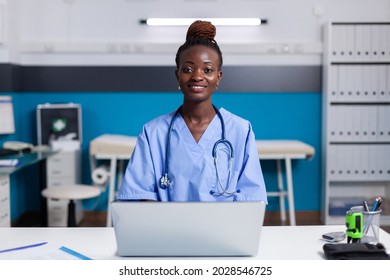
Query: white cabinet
point(5, 219)
point(356, 117)
point(63, 169)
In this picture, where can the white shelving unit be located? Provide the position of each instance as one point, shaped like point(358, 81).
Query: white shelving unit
point(5, 220)
point(356, 117)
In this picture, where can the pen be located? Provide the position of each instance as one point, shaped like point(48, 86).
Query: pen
point(379, 203)
point(374, 206)
point(23, 247)
point(367, 223)
point(366, 206)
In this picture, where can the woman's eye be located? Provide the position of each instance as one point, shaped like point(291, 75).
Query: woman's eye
point(208, 70)
point(187, 70)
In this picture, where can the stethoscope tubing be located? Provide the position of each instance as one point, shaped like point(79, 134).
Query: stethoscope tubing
point(165, 181)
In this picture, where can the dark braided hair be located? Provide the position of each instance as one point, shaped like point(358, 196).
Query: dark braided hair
point(200, 33)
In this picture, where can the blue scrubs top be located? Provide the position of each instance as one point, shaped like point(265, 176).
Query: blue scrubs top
point(191, 169)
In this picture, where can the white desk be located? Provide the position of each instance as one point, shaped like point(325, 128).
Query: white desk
point(276, 243)
point(118, 148)
point(286, 150)
point(25, 160)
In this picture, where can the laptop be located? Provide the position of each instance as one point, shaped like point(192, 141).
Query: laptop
point(187, 228)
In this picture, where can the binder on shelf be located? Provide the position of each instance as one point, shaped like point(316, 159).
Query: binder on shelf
point(363, 42)
point(381, 154)
point(356, 80)
point(340, 162)
point(382, 123)
point(386, 38)
point(332, 162)
point(387, 98)
point(379, 42)
point(354, 157)
point(365, 69)
point(385, 162)
point(364, 166)
point(348, 123)
point(350, 82)
point(337, 37)
point(348, 164)
point(373, 122)
point(387, 128)
point(355, 122)
point(387, 109)
point(338, 126)
point(334, 83)
point(335, 125)
point(374, 79)
point(382, 82)
point(349, 42)
point(358, 165)
point(331, 126)
point(357, 125)
point(372, 162)
point(343, 82)
point(364, 124)
point(385, 42)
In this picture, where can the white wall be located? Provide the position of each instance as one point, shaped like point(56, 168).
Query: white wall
point(3, 21)
point(101, 32)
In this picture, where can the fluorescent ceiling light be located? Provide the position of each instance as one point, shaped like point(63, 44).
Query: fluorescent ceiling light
point(215, 21)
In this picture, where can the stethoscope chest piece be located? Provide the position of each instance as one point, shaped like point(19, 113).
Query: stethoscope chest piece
point(164, 181)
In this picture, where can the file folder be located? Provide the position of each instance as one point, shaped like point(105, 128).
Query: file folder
point(382, 82)
point(363, 42)
point(334, 83)
point(379, 44)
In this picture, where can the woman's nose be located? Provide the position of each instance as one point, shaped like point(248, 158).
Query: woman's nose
point(197, 75)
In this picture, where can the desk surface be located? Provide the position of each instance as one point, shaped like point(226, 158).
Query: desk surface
point(277, 242)
point(25, 159)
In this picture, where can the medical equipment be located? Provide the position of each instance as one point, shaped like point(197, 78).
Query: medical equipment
point(165, 181)
point(354, 223)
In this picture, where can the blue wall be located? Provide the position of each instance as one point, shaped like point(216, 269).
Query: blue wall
point(273, 116)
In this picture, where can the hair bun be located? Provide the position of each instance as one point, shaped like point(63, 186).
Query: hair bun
point(199, 28)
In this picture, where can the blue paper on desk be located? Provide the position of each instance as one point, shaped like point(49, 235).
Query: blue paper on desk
point(9, 162)
point(41, 251)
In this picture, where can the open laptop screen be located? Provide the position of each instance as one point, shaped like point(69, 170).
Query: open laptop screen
point(187, 228)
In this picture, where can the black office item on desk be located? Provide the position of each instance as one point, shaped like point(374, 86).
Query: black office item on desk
point(8, 152)
point(355, 251)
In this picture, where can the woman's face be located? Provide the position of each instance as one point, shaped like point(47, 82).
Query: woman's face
point(198, 73)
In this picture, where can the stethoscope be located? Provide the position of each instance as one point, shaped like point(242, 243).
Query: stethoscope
point(165, 182)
